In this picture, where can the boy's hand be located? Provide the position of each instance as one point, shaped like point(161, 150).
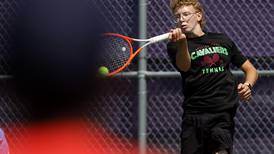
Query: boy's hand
point(244, 91)
point(177, 35)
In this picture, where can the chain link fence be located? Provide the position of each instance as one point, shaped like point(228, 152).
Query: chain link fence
point(7, 16)
point(247, 22)
point(115, 112)
point(13, 115)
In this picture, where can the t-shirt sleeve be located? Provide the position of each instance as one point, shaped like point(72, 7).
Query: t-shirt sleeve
point(172, 51)
point(237, 57)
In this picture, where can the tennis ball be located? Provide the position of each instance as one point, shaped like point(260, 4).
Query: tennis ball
point(124, 49)
point(103, 71)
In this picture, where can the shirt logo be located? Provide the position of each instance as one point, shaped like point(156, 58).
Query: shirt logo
point(209, 61)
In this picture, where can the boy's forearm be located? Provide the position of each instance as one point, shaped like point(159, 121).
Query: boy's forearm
point(183, 60)
point(251, 76)
point(250, 71)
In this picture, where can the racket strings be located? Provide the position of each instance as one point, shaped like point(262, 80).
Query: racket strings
point(116, 52)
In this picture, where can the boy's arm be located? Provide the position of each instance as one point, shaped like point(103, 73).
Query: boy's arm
point(251, 76)
point(183, 60)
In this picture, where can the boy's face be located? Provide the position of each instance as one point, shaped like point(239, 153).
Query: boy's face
point(187, 18)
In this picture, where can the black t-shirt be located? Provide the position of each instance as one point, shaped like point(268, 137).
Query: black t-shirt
point(209, 86)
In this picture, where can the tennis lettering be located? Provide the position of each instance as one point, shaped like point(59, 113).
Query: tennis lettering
point(213, 70)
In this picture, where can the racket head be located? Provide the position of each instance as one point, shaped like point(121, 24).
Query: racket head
point(116, 53)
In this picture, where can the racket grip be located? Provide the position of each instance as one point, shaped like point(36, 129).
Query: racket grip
point(159, 38)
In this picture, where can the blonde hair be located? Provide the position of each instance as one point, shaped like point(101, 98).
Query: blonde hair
point(175, 4)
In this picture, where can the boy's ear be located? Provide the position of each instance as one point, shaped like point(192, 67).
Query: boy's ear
point(200, 16)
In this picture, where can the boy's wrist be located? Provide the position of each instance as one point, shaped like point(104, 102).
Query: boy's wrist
point(249, 85)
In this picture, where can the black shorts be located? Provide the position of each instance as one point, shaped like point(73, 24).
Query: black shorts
point(207, 133)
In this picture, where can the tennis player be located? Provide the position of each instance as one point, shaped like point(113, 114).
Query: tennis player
point(211, 92)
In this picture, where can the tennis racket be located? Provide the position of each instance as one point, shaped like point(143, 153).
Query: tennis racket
point(118, 50)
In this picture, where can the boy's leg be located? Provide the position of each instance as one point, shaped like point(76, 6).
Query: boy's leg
point(191, 136)
point(221, 134)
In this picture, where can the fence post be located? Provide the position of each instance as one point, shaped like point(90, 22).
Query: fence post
point(142, 89)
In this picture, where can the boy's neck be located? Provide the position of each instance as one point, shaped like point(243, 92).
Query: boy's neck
point(197, 32)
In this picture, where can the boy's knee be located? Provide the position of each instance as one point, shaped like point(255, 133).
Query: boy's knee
point(222, 152)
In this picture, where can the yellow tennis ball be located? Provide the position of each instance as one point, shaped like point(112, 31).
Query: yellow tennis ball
point(124, 49)
point(103, 71)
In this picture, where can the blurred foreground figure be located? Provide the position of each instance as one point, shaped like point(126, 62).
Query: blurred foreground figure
point(74, 137)
point(55, 66)
point(56, 46)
